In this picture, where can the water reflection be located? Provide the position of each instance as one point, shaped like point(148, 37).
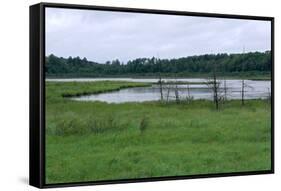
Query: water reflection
point(253, 90)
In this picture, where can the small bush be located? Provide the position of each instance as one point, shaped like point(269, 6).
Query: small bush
point(143, 125)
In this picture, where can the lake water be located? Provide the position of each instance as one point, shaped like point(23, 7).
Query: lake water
point(253, 90)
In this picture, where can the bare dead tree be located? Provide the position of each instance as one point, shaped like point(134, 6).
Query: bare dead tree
point(168, 93)
point(243, 83)
point(214, 84)
point(161, 87)
point(189, 97)
point(244, 86)
point(160, 80)
point(215, 89)
point(188, 90)
point(176, 91)
point(225, 89)
point(243, 92)
point(177, 94)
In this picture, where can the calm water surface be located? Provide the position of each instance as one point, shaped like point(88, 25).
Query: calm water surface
point(253, 90)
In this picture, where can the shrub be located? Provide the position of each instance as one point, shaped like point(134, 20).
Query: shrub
point(143, 125)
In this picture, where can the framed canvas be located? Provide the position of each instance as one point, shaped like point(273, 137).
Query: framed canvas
point(122, 95)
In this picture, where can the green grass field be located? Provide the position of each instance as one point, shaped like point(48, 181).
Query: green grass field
point(90, 141)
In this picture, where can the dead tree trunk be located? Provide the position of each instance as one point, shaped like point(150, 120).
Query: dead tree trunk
point(176, 91)
point(161, 87)
point(189, 97)
point(160, 79)
point(215, 89)
point(243, 82)
point(225, 90)
point(177, 94)
point(243, 92)
point(214, 85)
point(188, 91)
point(168, 93)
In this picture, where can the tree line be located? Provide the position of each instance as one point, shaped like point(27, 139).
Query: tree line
point(252, 62)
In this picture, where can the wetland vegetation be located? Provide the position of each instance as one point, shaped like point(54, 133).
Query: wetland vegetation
point(88, 141)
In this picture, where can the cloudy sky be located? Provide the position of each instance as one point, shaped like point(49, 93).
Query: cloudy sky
point(101, 35)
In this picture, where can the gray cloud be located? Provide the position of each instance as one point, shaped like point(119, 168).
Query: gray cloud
point(101, 36)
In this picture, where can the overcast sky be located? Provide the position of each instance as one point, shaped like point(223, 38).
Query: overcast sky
point(101, 35)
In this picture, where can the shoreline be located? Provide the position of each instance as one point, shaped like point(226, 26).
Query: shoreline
point(154, 77)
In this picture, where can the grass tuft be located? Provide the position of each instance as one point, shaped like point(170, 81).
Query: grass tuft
point(143, 124)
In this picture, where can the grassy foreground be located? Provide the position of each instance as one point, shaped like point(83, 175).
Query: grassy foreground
point(89, 141)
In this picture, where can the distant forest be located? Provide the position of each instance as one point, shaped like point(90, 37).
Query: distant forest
point(252, 63)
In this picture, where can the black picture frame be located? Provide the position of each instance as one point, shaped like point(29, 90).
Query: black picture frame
point(37, 93)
